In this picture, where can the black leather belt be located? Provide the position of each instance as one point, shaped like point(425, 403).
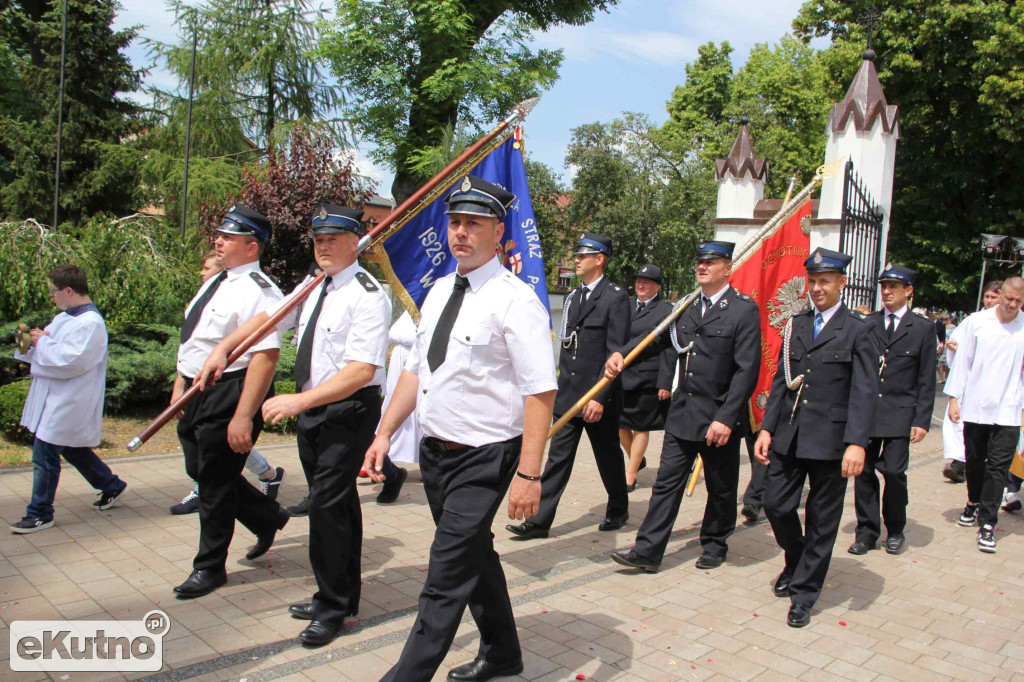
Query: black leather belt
point(448, 445)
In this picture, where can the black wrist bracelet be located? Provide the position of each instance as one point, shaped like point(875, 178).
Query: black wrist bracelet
point(520, 474)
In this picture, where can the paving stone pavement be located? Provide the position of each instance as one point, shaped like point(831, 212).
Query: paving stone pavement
point(940, 611)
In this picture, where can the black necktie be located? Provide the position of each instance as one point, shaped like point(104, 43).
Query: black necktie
point(891, 329)
point(197, 310)
point(705, 305)
point(443, 331)
point(304, 355)
point(640, 306)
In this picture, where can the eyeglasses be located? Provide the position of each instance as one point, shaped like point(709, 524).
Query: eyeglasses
point(53, 291)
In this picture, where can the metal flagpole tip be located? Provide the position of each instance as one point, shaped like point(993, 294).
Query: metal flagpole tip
point(134, 445)
point(526, 106)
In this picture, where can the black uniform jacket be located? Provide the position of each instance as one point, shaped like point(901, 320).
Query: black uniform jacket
point(840, 389)
point(601, 326)
point(723, 366)
point(643, 374)
point(906, 387)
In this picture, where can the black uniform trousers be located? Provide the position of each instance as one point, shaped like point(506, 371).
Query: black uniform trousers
point(808, 549)
point(464, 489)
point(333, 440)
point(604, 439)
point(989, 450)
point(721, 476)
point(753, 496)
point(889, 457)
point(224, 494)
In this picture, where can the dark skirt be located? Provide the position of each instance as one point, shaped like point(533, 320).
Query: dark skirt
point(642, 411)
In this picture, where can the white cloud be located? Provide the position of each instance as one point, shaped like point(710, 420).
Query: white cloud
point(587, 43)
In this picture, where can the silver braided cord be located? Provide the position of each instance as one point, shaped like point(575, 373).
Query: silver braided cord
point(566, 341)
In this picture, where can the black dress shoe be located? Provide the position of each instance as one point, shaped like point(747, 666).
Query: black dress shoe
point(860, 548)
point(481, 670)
point(781, 586)
point(527, 530)
point(895, 544)
point(304, 611)
point(630, 487)
point(389, 493)
point(710, 560)
point(202, 581)
point(634, 559)
point(799, 616)
point(611, 523)
point(750, 514)
point(265, 540)
point(319, 632)
point(300, 508)
point(643, 465)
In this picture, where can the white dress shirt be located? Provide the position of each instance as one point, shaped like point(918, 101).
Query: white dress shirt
point(352, 326)
point(405, 443)
point(987, 376)
point(69, 370)
point(239, 298)
point(899, 316)
point(499, 353)
point(714, 298)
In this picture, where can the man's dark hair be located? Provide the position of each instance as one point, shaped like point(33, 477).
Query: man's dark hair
point(994, 286)
point(72, 276)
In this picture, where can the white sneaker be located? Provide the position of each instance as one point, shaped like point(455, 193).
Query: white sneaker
point(987, 539)
point(1011, 501)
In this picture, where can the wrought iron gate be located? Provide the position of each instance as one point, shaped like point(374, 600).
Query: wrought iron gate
point(860, 236)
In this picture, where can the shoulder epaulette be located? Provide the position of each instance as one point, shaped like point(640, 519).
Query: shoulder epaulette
point(260, 279)
point(366, 281)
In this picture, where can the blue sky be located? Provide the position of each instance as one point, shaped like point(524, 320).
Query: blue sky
point(628, 59)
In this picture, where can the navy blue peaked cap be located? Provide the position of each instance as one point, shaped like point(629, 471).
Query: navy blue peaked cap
point(333, 219)
point(898, 273)
point(591, 242)
point(709, 249)
point(826, 260)
point(651, 271)
point(240, 219)
point(476, 196)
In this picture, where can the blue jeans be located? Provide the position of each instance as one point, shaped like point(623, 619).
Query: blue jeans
point(46, 475)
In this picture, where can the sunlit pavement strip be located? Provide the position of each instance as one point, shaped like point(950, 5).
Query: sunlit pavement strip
point(942, 610)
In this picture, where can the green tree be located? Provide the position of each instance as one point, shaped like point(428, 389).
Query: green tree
point(548, 197)
point(96, 113)
point(411, 68)
point(954, 69)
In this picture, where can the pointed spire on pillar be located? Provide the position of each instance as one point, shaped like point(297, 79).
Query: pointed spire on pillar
point(742, 158)
point(864, 103)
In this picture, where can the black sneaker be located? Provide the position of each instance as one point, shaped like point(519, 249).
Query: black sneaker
point(272, 486)
point(954, 471)
point(188, 505)
point(300, 509)
point(30, 524)
point(987, 539)
point(107, 500)
point(389, 493)
point(969, 516)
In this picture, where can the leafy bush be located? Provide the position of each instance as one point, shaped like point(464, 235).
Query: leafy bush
point(283, 387)
point(138, 269)
point(141, 366)
point(12, 399)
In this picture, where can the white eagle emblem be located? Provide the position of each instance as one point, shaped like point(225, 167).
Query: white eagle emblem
point(818, 258)
point(323, 213)
point(888, 266)
point(791, 298)
point(466, 184)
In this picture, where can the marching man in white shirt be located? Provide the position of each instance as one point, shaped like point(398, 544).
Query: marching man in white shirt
point(339, 370)
point(219, 427)
point(64, 408)
point(481, 376)
point(986, 390)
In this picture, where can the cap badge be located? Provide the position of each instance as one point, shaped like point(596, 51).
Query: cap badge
point(818, 258)
point(888, 266)
point(323, 213)
point(702, 244)
point(466, 184)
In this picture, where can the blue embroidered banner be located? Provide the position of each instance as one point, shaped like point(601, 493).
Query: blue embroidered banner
point(419, 254)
